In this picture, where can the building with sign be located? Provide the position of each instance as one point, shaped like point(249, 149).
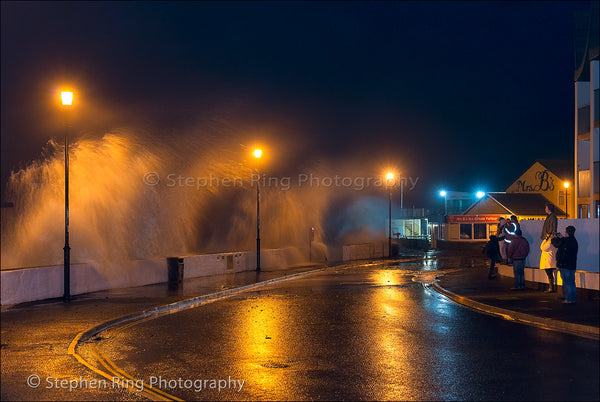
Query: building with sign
point(551, 178)
point(480, 220)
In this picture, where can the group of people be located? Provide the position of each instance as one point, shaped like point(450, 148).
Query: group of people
point(497, 248)
point(558, 253)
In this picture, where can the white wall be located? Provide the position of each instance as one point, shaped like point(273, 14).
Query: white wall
point(31, 284)
point(586, 233)
point(363, 251)
point(583, 279)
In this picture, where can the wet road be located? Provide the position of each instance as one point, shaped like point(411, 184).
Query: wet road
point(373, 332)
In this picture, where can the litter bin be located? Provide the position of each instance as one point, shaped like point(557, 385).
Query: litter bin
point(395, 249)
point(175, 270)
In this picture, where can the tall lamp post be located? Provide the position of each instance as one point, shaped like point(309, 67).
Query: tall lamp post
point(390, 178)
point(401, 198)
point(67, 101)
point(566, 184)
point(444, 194)
point(258, 155)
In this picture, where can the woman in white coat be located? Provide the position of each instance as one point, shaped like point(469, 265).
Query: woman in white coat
point(548, 263)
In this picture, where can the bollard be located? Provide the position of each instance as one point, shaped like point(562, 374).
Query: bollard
point(174, 270)
point(395, 249)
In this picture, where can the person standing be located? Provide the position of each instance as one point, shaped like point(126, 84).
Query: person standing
point(509, 233)
point(518, 250)
point(550, 223)
point(500, 235)
point(492, 250)
point(566, 260)
point(514, 224)
point(548, 263)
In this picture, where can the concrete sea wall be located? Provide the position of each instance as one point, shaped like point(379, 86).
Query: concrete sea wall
point(39, 283)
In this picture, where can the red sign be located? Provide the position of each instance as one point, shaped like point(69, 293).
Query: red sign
point(472, 218)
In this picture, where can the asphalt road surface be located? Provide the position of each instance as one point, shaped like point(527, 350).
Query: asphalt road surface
point(371, 332)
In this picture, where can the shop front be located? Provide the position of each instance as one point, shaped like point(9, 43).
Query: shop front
point(469, 228)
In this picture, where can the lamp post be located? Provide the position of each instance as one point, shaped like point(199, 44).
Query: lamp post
point(401, 198)
point(311, 237)
point(258, 155)
point(444, 194)
point(566, 184)
point(67, 102)
point(390, 177)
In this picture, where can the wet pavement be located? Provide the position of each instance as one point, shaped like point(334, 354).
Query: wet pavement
point(531, 306)
point(36, 336)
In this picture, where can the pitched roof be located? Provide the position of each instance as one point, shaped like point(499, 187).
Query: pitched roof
point(522, 204)
point(563, 168)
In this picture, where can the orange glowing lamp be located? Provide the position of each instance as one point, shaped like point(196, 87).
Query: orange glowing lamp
point(257, 153)
point(67, 98)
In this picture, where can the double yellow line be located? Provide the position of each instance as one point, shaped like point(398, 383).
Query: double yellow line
point(113, 371)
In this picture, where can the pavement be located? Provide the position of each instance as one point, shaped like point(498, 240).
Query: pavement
point(531, 306)
point(49, 328)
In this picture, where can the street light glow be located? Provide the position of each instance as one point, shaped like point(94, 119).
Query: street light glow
point(257, 153)
point(443, 193)
point(480, 194)
point(67, 98)
point(390, 176)
point(566, 184)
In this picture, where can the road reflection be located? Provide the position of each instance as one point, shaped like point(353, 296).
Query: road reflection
point(389, 352)
point(276, 353)
point(263, 348)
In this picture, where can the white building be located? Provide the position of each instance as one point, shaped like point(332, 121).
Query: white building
point(587, 102)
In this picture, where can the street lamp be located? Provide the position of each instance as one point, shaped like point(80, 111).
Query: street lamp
point(67, 102)
point(566, 184)
point(401, 198)
point(444, 194)
point(258, 154)
point(479, 194)
point(390, 178)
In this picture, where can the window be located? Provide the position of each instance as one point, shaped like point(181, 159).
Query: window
point(561, 197)
point(480, 230)
point(583, 120)
point(466, 231)
point(596, 104)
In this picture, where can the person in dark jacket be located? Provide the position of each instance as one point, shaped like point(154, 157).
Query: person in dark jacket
point(550, 223)
point(500, 234)
point(511, 227)
point(514, 223)
point(566, 260)
point(518, 249)
point(492, 250)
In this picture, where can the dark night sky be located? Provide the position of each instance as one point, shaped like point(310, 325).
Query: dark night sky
point(464, 95)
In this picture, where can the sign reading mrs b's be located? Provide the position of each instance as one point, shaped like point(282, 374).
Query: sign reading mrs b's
point(541, 181)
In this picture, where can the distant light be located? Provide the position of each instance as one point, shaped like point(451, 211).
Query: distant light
point(566, 184)
point(67, 98)
point(443, 193)
point(257, 153)
point(390, 176)
point(480, 194)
